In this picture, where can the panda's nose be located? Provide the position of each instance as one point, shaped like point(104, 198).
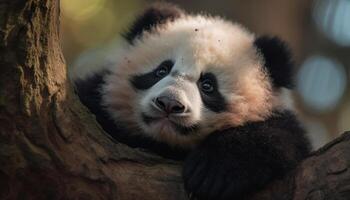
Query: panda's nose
point(169, 105)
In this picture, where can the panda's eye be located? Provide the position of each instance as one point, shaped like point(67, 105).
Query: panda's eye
point(162, 71)
point(207, 86)
point(164, 68)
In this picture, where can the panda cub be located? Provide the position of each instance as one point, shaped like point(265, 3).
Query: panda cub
point(205, 90)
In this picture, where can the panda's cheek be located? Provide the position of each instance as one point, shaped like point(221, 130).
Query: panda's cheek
point(193, 100)
point(208, 120)
point(143, 100)
point(196, 110)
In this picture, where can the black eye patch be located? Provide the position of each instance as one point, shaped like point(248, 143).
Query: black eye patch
point(146, 81)
point(213, 100)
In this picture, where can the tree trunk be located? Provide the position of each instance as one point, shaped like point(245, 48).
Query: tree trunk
point(52, 148)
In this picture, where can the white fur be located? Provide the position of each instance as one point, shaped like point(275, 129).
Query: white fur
point(197, 44)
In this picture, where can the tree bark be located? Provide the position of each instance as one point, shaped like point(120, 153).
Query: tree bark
point(52, 148)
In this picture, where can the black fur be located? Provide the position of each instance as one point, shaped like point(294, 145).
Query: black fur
point(236, 162)
point(146, 81)
point(156, 14)
point(277, 59)
point(89, 93)
point(214, 100)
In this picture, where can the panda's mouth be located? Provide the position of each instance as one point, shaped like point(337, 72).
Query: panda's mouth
point(184, 130)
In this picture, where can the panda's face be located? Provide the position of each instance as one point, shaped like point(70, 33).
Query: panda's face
point(191, 77)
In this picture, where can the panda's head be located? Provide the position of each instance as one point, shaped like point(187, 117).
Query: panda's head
point(182, 77)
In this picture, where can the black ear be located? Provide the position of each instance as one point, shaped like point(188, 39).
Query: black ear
point(156, 14)
point(278, 62)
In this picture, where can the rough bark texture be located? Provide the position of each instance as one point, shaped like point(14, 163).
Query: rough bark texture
point(52, 148)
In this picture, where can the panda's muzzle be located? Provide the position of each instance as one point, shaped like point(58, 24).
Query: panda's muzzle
point(169, 105)
point(182, 129)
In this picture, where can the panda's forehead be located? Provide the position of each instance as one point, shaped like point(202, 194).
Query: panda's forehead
point(196, 45)
point(201, 42)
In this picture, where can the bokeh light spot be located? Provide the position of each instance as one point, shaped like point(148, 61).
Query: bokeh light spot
point(321, 82)
point(94, 23)
point(81, 10)
point(333, 18)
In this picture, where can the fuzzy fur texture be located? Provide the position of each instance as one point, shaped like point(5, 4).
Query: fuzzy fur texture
point(197, 44)
point(237, 138)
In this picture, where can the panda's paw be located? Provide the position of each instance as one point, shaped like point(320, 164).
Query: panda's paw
point(209, 176)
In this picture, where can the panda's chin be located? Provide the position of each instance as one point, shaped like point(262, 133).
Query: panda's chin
point(165, 124)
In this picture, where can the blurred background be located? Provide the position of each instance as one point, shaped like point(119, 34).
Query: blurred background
point(318, 32)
